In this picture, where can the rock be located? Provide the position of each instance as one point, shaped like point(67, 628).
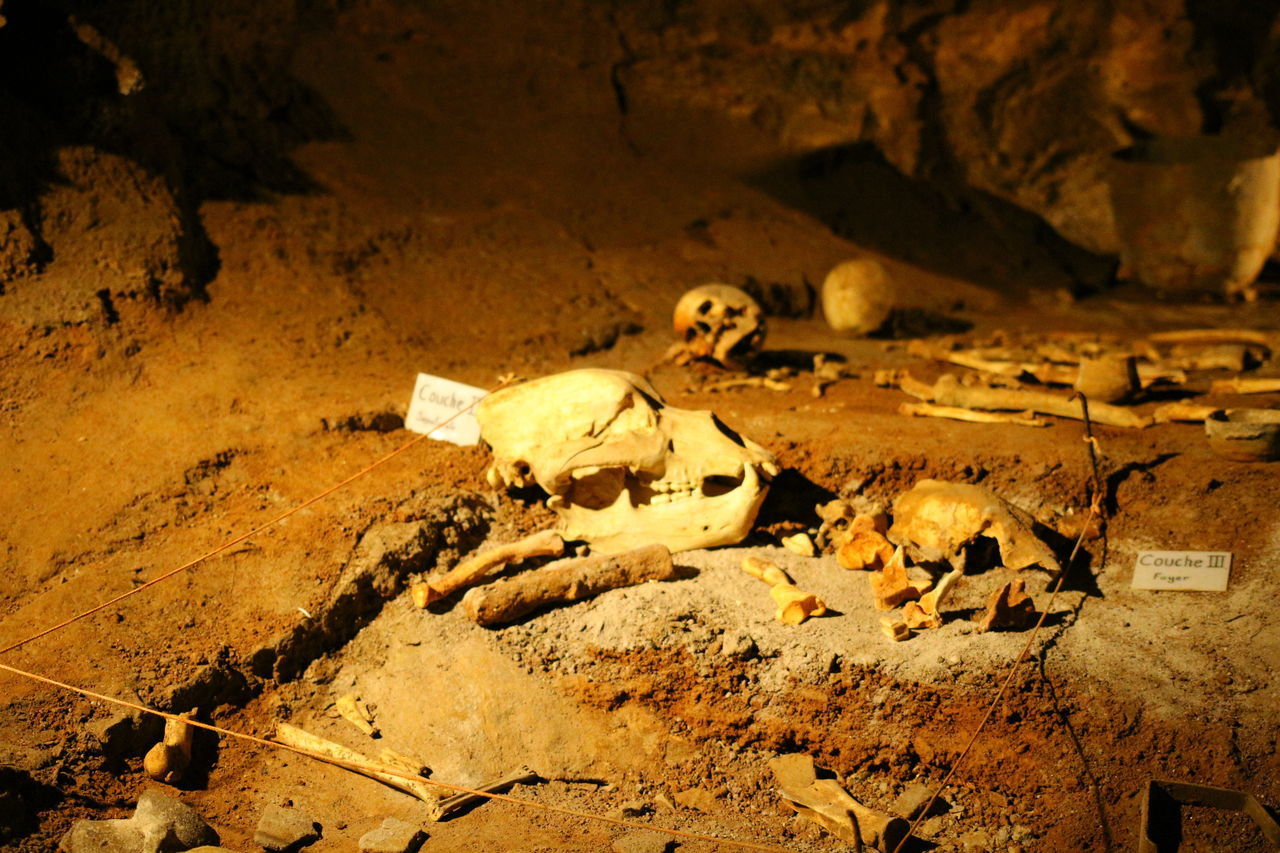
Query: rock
point(737, 645)
point(286, 829)
point(394, 836)
point(911, 802)
point(932, 827)
point(641, 842)
point(634, 808)
point(102, 836)
point(160, 824)
point(697, 798)
point(976, 840)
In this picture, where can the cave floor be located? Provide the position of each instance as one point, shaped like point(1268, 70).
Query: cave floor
point(533, 245)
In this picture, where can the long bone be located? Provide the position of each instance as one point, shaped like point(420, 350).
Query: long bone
point(470, 572)
point(955, 413)
point(497, 786)
point(947, 391)
point(1243, 385)
point(303, 739)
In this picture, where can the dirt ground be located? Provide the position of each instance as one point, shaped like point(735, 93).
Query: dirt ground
point(534, 241)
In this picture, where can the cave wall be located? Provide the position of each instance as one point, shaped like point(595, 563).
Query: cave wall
point(122, 117)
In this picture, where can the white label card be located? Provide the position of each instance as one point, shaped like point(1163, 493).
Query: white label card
point(1204, 571)
point(435, 400)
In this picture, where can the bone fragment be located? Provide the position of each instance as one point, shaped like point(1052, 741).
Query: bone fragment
point(1215, 336)
point(1242, 385)
point(864, 548)
point(470, 572)
point(1233, 357)
point(801, 544)
point(890, 586)
point(947, 391)
point(497, 786)
point(169, 759)
point(302, 739)
point(916, 617)
point(1010, 608)
point(763, 570)
point(1188, 412)
point(567, 581)
point(828, 804)
point(931, 602)
point(908, 384)
point(936, 519)
point(355, 712)
point(955, 413)
point(894, 628)
point(747, 382)
point(795, 605)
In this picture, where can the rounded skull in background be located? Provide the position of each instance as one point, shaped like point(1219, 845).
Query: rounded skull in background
point(721, 323)
point(622, 468)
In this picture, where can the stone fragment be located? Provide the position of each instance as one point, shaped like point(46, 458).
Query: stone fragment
point(1009, 608)
point(641, 842)
point(911, 802)
point(894, 628)
point(394, 836)
point(697, 798)
point(286, 829)
point(737, 645)
point(160, 824)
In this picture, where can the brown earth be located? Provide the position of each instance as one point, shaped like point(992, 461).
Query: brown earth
point(457, 191)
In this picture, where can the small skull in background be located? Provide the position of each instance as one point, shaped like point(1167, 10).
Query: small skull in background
point(720, 323)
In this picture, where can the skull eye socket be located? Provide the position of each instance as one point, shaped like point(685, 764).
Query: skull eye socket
point(706, 306)
point(702, 327)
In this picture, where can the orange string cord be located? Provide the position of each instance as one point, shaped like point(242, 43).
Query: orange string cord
point(242, 537)
point(388, 771)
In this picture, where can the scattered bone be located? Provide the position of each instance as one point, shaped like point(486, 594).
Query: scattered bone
point(894, 628)
point(890, 586)
point(828, 804)
point(936, 519)
point(1009, 607)
point(948, 391)
point(858, 296)
point(864, 547)
point(1243, 385)
point(470, 572)
point(747, 382)
point(1255, 337)
point(917, 617)
point(930, 605)
point(622, 468)
point(567, 581)
point(931, 410)
point(169, 759)
point(794, 605)
point(825, 373)
point(800, 543)
point(355, 712)
point(888, 378)
point(967, 358)
point(302, 739)
point(720, 323)
point(497, 786)
point(1107, 379)
point(1233, 357)
point(763, 570)
point(1185, 412)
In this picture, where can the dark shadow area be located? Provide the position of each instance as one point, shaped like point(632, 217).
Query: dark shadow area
point(1080, 574)
point(953, 231)
point(793, 498)
point(211, 111)
point(22, 798)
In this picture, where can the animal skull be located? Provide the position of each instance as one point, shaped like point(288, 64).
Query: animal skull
point(622, 468)
point(721, 323)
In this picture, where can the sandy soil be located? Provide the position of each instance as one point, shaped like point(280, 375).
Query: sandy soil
point(535, 242)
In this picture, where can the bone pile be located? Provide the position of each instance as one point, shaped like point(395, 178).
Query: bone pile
point(1012, 378)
